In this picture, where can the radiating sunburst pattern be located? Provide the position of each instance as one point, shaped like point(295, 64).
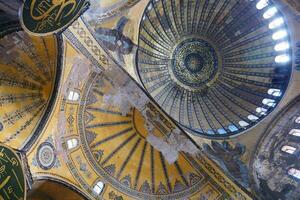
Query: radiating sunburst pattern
point(27, 76)
point(211, 64)
point(117, 148)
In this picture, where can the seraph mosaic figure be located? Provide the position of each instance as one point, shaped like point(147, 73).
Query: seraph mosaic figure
point(114, 39)
point(229, 159)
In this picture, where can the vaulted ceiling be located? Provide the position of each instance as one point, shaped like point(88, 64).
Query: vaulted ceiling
point(28, 69)
point(159, 99)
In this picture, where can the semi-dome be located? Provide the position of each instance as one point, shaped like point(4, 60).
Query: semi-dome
point(118, 147)
point(27, 79)
point(216, 67)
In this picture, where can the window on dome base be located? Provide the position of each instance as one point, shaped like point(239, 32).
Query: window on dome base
point(288, 149)
point(221, 131)
point(276, 23)
point(274, 92)
point(261, 111)
point(270, 13)
point(279, 34)
point(297, 121)
point(282, 46)
point(243, 123)
point(269, 102)
point(262, 4)
point(294, 172)
point(252, 117)
point(295, 132)
point(284, 58)
point(232, 128)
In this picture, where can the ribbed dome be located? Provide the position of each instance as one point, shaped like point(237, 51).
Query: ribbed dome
point(216, 67)
point(117, 147)
point(27, 80)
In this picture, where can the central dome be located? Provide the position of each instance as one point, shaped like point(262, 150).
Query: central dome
point(216, 67)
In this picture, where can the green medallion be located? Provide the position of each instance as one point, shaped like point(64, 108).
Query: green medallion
point(12, 180)
point(43, 17)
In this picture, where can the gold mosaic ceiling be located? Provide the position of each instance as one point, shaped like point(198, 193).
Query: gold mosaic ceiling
point(88, 142)
point(112, 148)
point(27, 76)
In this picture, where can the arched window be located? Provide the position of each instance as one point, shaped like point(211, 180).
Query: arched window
point(279, 34)
point(261, 4)
point(269, 102)
point(270, 12)
point(261, 111)
point(98, 187)
point(243, 123)
point(295, 132)
point(232, 128)
point(276, 23)
point(221, 131)
point(73, 96)
point(294, 172)
point(282, 46)
point(283, 58)
point(288, 149)
point(274, 92)
point(252, 117)
point(72, 143)
point(297, 120)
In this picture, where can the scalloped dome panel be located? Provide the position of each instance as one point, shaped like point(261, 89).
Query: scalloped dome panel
point(216, 67)
point(27, 78)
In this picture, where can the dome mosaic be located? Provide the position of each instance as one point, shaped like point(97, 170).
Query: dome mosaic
point(216, 67)
point(117, 147)
point(28, 80)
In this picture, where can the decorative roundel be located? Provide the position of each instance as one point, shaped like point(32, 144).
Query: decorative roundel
point(216, 67)
point(46, 156)
point(194, 63)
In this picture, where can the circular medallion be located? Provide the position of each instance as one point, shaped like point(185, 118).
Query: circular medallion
point(46, 156)
point(12, 185)
point(39, 17)
point(194, 62)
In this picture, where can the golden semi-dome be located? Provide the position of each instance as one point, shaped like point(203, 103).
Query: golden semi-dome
point(27, 78)
point(118, 149)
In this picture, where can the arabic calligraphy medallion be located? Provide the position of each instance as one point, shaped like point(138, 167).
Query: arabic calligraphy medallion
point(12, 180)
point(43, 17)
